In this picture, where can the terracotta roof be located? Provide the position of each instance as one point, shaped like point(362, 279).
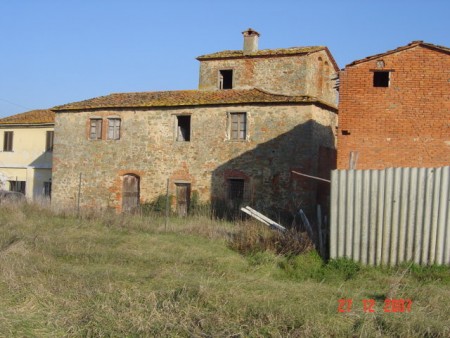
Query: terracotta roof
point(399, 49)
point(236, 54)
point(181, 98)
point(38, 116)
point(263, 52)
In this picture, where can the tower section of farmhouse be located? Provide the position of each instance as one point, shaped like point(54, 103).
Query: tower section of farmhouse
point(257, 116)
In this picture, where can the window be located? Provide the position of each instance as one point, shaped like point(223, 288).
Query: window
point(381, 79)
point(238, 126)
point(95, 131)
point(49, 141)
point(18, 186)
point(8, 141)
point(236, 189)
point(113, 129)
point(226, 79)
point(184, 128)
point(48, 189)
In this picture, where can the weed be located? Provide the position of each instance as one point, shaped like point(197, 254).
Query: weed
point(252, 238)
point(130, 276)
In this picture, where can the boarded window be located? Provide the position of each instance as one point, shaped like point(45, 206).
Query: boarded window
point(236, 189)
point(96, 129)
point(113, 129)
point(184, 128)
point(48, 189)
point(49, 141)
point(8, 141)
point(381, 79)
point(18, 186)
point(226, 79)
point(238, 126)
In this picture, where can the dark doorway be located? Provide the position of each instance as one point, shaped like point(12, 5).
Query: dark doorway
point(130, 193)
point(183, 198)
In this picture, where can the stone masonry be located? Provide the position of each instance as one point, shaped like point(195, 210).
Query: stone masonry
point(285, 128)
point(297, 71)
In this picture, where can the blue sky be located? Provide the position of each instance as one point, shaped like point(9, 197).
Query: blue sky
point(61, 51)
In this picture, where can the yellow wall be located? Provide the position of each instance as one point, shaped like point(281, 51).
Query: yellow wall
point(28, 161)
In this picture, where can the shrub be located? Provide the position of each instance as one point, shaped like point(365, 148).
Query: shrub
point(252, 238)
point(156, 206)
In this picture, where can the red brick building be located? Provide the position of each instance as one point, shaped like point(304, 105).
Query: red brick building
point(394, 109)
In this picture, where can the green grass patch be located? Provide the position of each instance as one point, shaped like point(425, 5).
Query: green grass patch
point(131, 276)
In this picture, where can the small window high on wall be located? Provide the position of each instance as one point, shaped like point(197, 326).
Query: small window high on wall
point(381, 79)
point(226, 79)
point(184, 128)
point(49, 140)
point(8, 141)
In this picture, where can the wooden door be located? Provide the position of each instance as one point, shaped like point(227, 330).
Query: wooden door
point(183, 198)
point(130, 193)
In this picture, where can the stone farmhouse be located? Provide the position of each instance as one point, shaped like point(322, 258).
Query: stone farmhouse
point(256, 116)
point(26, 146)
point(394, 109)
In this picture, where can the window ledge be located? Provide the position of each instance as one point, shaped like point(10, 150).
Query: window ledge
point(237, 141)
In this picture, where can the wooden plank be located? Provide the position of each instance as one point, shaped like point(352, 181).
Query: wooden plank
point(267, 219)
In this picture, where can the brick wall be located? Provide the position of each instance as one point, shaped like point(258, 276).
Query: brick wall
point(404, 125)
point(280, 138)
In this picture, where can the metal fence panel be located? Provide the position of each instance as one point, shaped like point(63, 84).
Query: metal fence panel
point(385, 217)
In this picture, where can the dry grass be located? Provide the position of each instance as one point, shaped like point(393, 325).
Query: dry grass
point(251, 238)
point(110, 275)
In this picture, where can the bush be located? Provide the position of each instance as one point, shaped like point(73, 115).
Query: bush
point(252, 238)
point(156, 206)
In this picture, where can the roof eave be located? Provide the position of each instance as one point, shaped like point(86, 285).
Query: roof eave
point(260, 102)
point(11, 125)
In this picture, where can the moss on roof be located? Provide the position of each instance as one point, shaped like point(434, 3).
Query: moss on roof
point(185, 98)
point(263, 52)
point(38, 116)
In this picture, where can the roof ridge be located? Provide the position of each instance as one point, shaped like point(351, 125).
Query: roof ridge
point(262, 52)
point(412, 44)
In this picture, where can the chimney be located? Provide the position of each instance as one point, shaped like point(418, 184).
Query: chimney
point(250, 41)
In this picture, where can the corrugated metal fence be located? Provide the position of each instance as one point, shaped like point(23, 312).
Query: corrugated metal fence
point(391, 216)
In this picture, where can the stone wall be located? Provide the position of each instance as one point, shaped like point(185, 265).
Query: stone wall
point(280, 138)
point(406, 124)
point(310, 74)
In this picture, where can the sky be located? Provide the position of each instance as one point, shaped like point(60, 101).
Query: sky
point(54, 52)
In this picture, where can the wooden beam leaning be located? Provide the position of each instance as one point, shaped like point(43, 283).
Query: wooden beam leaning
point(264, 219)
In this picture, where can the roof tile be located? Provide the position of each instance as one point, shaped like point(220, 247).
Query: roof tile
point(38, 116)
point(184, 98)
point(262, 52)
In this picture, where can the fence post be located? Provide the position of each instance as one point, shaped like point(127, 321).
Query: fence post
point(79, 192)
point(167, 205)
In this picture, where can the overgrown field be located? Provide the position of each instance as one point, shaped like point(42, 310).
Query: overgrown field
point(113, 275)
